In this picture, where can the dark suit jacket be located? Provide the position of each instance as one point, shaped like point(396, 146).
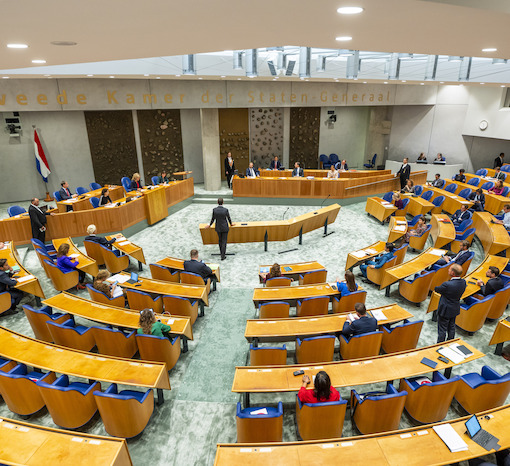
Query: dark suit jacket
point(100, 240)
point(64, 195)
point(460, 178)
point(228, 168)
point(492, 285)
point(404, 172)
point(460, 258)
point(481, 198)
point(459, 216)
point(451, 292)
point(163, 179)
point(222, 217)
point(37, 219)
point(364, 324)
point(135, 185)
point(500, 176)
point(498, 162)
point(6, 282)
point(257, 173)
point(298, 172)
point(276, 166)
point(198, 267)
point(338, 166)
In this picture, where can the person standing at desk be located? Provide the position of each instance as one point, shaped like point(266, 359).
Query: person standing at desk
point(197, 266)
point(136, 185)
point(222, 218)
point(7, 283)
point(65, 192)
point(298, 171)
point(251, 172)
point(275, 164)
point(498, 161)
point(229, 168)
point(105, 197)
point(404, 173)
point(449, 303)
point(37, 220)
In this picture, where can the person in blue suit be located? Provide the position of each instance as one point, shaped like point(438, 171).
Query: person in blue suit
point(449, 303)
point(378, 261)
point(478, 197)
point(459, 258)
point(364, 324)
point(194, 265)
point(252, 172)
point(66, 264)
point(65, 192)
point(275, 164)
point(460, 215)
point(347, 287)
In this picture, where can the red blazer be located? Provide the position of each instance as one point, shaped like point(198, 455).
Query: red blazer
point(308, 396)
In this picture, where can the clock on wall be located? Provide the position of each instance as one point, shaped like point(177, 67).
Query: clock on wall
point(484, 124)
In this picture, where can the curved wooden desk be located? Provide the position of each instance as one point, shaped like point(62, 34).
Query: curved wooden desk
point(85, 263)
point(442, 230)
point(361, 255)
point(500, 335)
point(321, 173)
point(493, 236)
point(291, 294)
point(82, 364)
point(275, 230)
point(296, 269)
point(452, 202)
point(288, 329)
point(397, 228)
point(417, 205)
point(417, 446)
point(178, 264)
point(30, 444)
point(82, 202)
point(127, 247)
point(26, 281)
point(493, 202)
point(379, 209)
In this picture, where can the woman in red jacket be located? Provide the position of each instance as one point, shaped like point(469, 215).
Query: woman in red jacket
point(322, 392)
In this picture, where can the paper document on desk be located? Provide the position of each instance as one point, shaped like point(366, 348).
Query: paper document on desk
point(74, 256)
point(259, 411)
point(378, 314)
point(436, 252)
point(24, 279)
point(119, 278)
point(109, 206)
point(124, 243)
point(386, 204)
point(117, 292)
point(371, 251)
point(217, 266)
point(399, 228)
point(358, 254)
point(401, 222)
point(451, 354)
point(451, 438)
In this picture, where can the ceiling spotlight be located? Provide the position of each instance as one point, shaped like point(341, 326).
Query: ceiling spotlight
point(146, 75)
point(482, 83)
point(490, 50)
point(112, 76)
point(364, 82)
point(343, 38)
point(7, 77)
point(38, 61)
point(90, 75)
point(17, 46)
point(158, 77)
point(239, 79)
point(422, 84)
point(404, 81)
point(349, 10)
point(63, 43)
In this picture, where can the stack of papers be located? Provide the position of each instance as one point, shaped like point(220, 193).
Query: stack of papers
point(436, 252)
point(217, 266)
point(399, 228)
point(385, 203)
point(74, 256)
point(119, 278)
point(25, 278)
point(451, 354)
point(452, 440)
point(124, 243)
point(378, 314)
point(352, 317)
point(358, 254)
point(371, 251)
point(401, 222)
point(117, 292)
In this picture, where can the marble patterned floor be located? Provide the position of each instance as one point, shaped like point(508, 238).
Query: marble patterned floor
point(199, 411)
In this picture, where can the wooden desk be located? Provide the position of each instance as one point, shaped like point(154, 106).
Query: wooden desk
point(415, 265)
point(127, 247)
point(30, 284)
point(275, 230)
point(417, 446)
point(361, 255)
point(82, 202)
point(493, 202)
point(111, 315)
point(442, 230)
point(155, 204)
point(378, 208)
point(418, 205)
point(321, 173)
point(292, 294)
point(184, 174)
point(50, 357)
point(397, 228)
point(85, 263)
point(493, 236)
point(30, 444)
point(500, 335)
point(472, 278)
point(296, 269)
point(178, 264)
point(452, 202)
point(268, 330)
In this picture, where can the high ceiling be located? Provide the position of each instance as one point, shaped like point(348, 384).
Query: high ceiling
point(128, 29)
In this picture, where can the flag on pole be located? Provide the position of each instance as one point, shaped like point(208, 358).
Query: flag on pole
point(40, 159)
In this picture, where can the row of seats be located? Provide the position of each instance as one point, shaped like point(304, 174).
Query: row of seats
point(308, 278)
point(79, 190)
point(425, 400)
point(326, 161)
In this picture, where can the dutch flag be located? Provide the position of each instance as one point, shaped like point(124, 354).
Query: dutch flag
point(40, 159)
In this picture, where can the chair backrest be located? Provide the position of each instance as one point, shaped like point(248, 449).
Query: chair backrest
point(465, 192)
point(278, 281)
point(38, 318)
point(414, 221)
point(474, 181)
point(42, 256)
point(361, 346)
point(418, 242)
point(274, 310)
point(488, 185)
point(126, 183)
point(375, 275)
point(416, 290)
point(400, 253)
point(66, 334)
point(158, 272)
point(315, 349)
point(388, 196)
point(346, 303)
point(451, 188)
point(15, 210)
point(268, 356)
point(100, 297)
point(481, 172)
point(402, 337)
point(467, 235)
point(94, 250)
point(62, 281)
point(113, 342)
point(317, 305)
point(93, 186)
point(153, 348)
point(472, 316)
point(155, 180)
point(438, 201)
point(467, 263)
point(57, 196)
point(179, 306)
point(418, 190)
point(313, 277)
point(463, 226)
point(333, 158)
point(427, 195)
point(374, 158)
point(80, 190)
point(320, 420)
point(140, 300)
point(499, 303)
point(323, 158)
point(95, 202)
point(114, 263)
point(506, 189)
point(191, 278)
point(505, 167)
point(257, 428)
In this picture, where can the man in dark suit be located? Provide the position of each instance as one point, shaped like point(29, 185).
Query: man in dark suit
point(404, 173)
point(449, 303)
point(252, 172)
point(65, 192)
point(230, 168)
point(365, 323)
point(498, 161)
point(498, 174)
point(460, 215)
point(494, 283)
point(298, 171)
point(222, 218)
point(197, 266)
point(342, 166)
point(37, 220)
point(275, 164)
point(459, 258)
point(91, 230)
point(7, 283)
point(478, 197)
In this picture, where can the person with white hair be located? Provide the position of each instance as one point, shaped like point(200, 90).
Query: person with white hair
point(91, 230)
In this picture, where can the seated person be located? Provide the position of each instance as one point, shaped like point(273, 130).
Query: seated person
point(252, 172)
point(409, 187)
point(421, 226)
point(478, 197)
point(460, 177)
point(100, 284)
point(439, 158)
point(274, 272)
point(135, 182)
point(438, 182)
point(298, 171)
point(342, 166)
point(275, 164)
point(150, 326)
point(163, 178)
point(460, 215)
point(195, 265)
point(7, 283)
point(347, 287)
point(105, 197)
point(494, 283)
point(459, 258)
point(67, 264)
point(323, 392)
point(497, 188)
point(332, 173)
point(506, 217)
point(397, 200)
point(499, 175)
point(91, 230)
point(422, 158)
point(378, 261)
point(364, 323)
point(65, 192)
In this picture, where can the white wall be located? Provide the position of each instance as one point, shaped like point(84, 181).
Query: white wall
point(192, 143)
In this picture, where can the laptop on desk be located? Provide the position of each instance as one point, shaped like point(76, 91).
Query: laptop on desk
point(133, 279)
point(480, 436)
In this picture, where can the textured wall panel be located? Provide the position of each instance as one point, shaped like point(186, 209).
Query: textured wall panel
point(112, 145)
point(304, 136)
point(161, 141)
point(266, 135)
point(234, 137)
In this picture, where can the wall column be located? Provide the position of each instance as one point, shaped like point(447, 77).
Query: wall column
point(138, 146)
point(209, 122)
point(286, 137)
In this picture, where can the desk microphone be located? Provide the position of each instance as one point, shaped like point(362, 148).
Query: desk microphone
point(285, 213)
point(325, 200)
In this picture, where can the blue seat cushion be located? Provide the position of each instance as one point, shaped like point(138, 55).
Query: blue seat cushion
point(473, 379)
point(133, 394)
point(35, 376)
point(246, 413)
point(79, 386)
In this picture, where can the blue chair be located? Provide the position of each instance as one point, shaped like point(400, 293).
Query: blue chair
point(38, 318)
point(15, 210)
point(488, 185)
point(477, 393)
point(136, 408)
point(427, 195)
point(47, 248)
point(388, 196)
point(95, 202)
point(414, 221)
point(155, 180)
point(505, 191)
point(473, 313)
point(371, 164)
point(71, 405)
point(505, 168)
point(315, 349)
point(126, 183)
point(80, 190)
point(418, 190)
point(451, 188)
point(274, 310)
point(465, 236)
point(438, 203)
point(94, 186)
point(320, 420)
point(57, 196)
point(71, 335)
point(100, 297)
point(481, 172)
point(465, 193)
point(474, 181)
point(324, 160)
point(366, 409)
point(416, 288)
point(258, 428)
point(140, 300)
point(463, 226)
point(333, 159)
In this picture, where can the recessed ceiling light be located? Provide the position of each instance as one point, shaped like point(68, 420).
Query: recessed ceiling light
point(47, 75)
point(90, 75)
point(490, 50)
point(349, 10)
point(5, 77)
point(422, 84)
point(343, 38)
point(364, 82)
point(274, 79)
point(225, 77)
point(239, 79)
point(482, 83)
point(177, 75)
point(64, 43)
point(404, 81)
point(503, 85)
point(112, 76)
point(200, 78)
point(38, 61)
point(385, 82)
point(442, 82)
point(17, 46)
point(158, 77)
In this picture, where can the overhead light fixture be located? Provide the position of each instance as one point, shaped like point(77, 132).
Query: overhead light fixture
point(490, 50)
point(482, 83)
point(47, 75)
point(499, 61)
point(38, 61)
point(223, 76)
point(5, 77)
point(422, 84)
point(198, 78)
point(364, 82)
point(177, 75)
point(503, 85)
point(90, 75)
point(17, 46)
point(112, 76)
point(343, 38)
point(385, 82)
point(442, 82)
point(349, 10)
point(239, 79)
point(404, 81)
point(157, 77)
point(146, 75)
